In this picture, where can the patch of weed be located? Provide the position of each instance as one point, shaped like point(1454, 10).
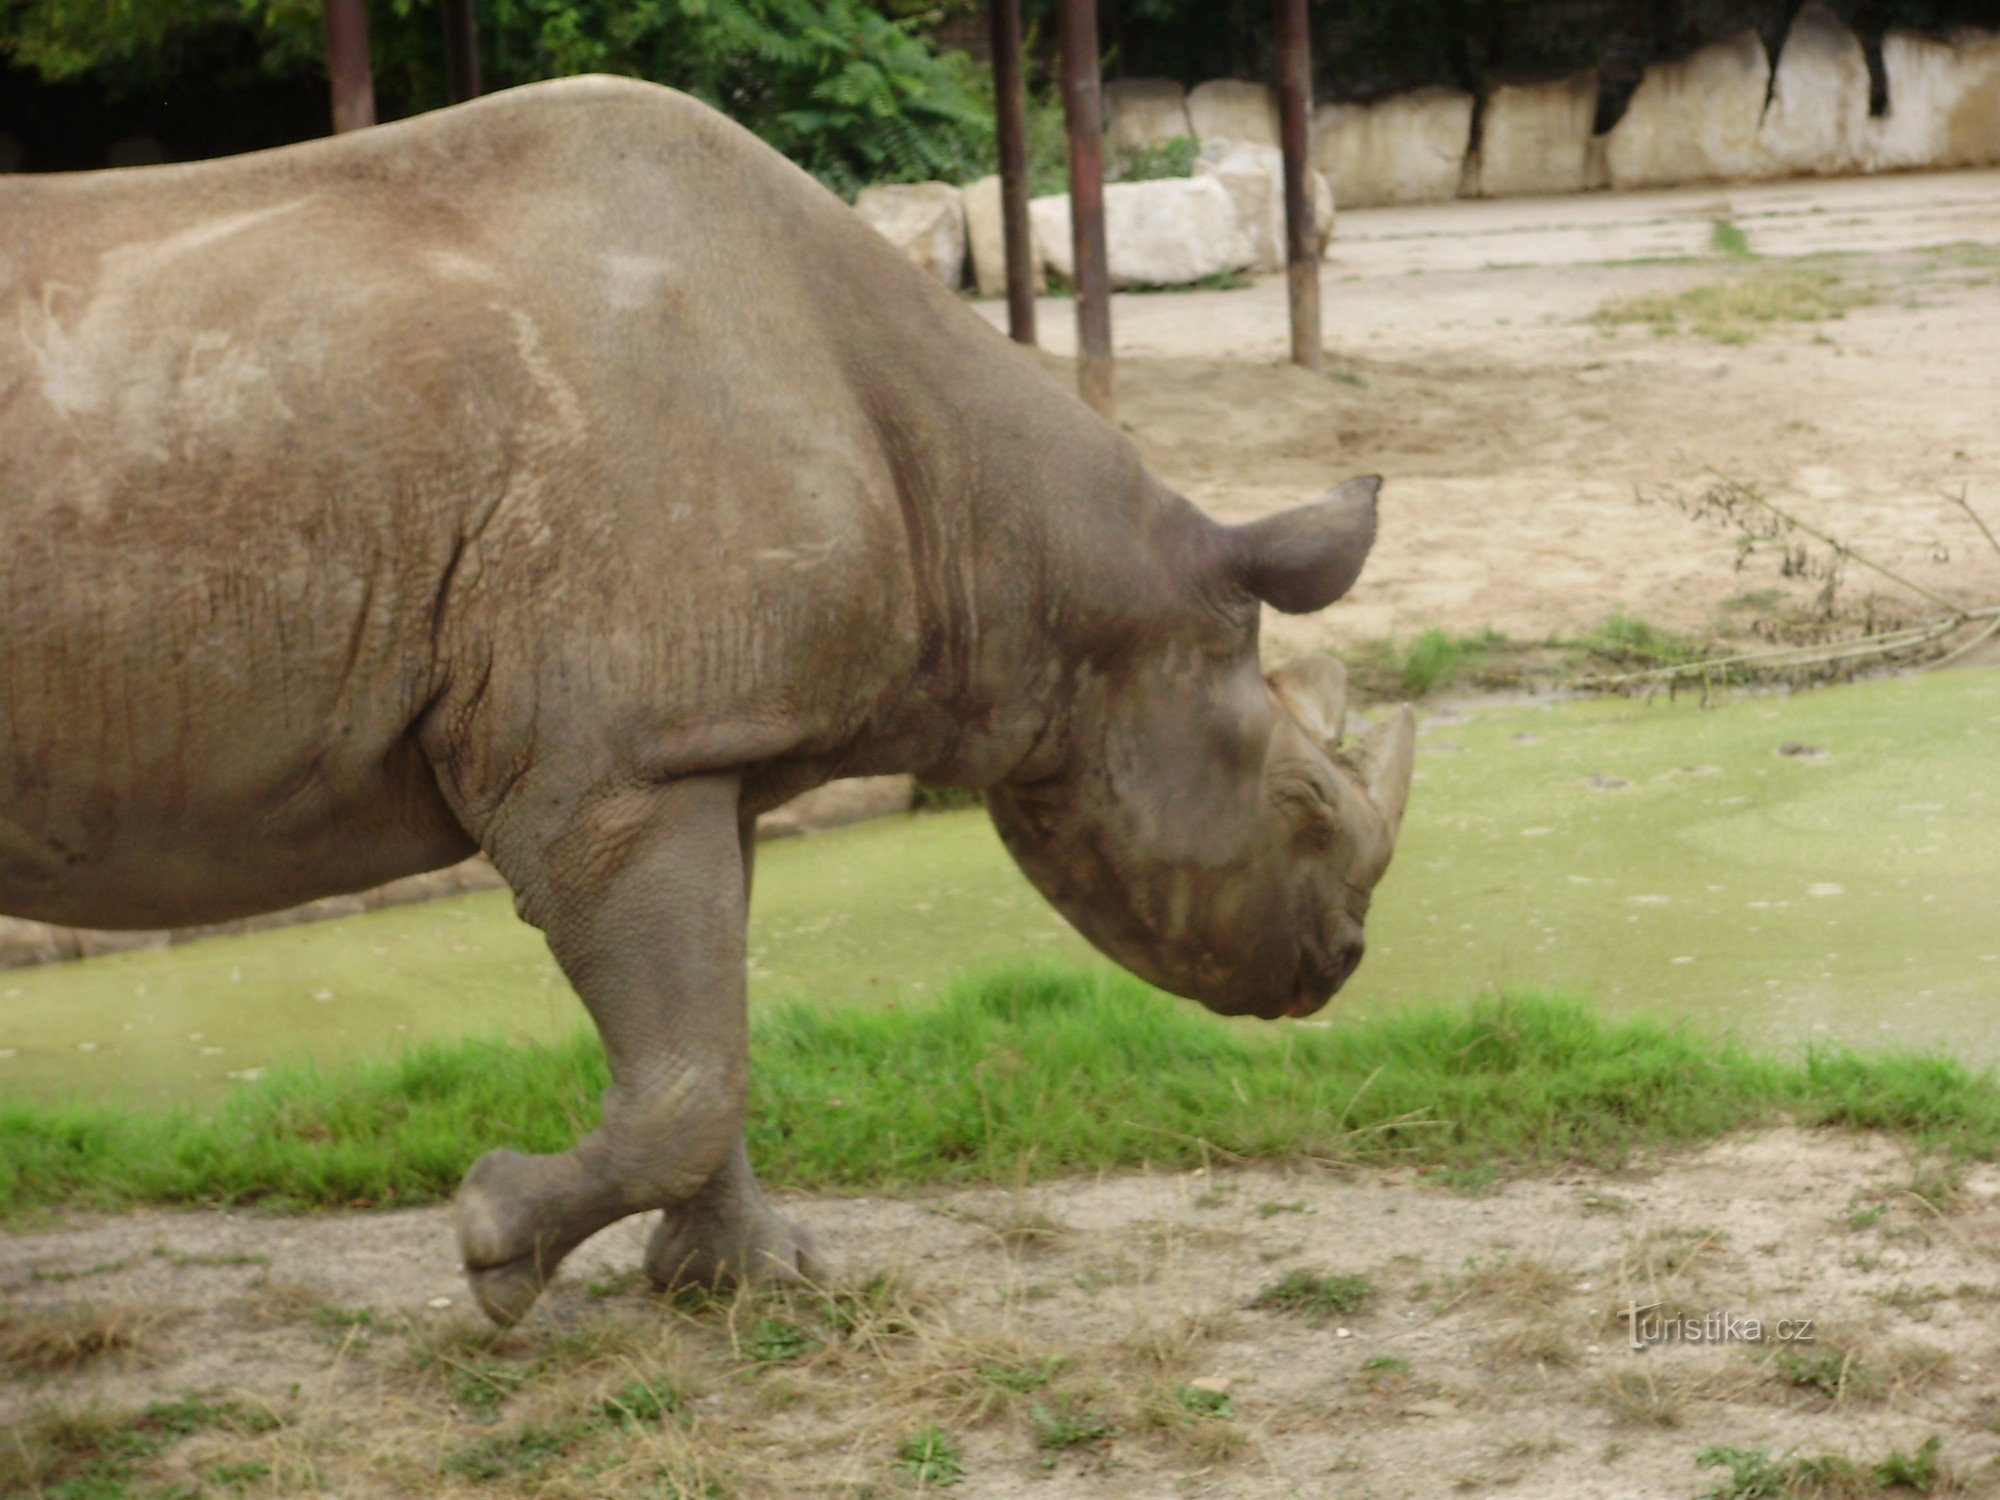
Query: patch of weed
point(1734, 311)
point(775, 1341)
point(1065, 1422)
point(1726, 238)
point(931, 1458)
point(1308, 1294)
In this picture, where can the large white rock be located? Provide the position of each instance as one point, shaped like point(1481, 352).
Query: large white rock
point(1409, 148)
point(1228, 109)
point(1164, 233)
point(1255, 178)
point(924, 220)
point(1696, 119)
point(1536, 138)
point(986, 238)
point(1817, 121)
point(1944, 103)
point(1142, 112)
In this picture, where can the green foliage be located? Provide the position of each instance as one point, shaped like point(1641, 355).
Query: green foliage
point(1307, 1294)
point(1156, 160)
point(930, 1457)
point(850, 93)
point(1727, 238)
point(1436, 659)
point(1065, 1421)
point(91, 1456)
point(1753, 1474)
point(1627, 643)
point(1018, 1073)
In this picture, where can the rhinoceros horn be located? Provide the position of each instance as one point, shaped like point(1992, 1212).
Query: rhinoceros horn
point(1383, 757)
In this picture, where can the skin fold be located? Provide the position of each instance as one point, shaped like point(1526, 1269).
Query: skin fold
point(567, 476)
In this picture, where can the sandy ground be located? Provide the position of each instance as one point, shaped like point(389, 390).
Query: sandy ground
point(1494, 1356)
point(1514, 432)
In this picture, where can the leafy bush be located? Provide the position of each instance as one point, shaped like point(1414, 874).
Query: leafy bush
point(851, 94)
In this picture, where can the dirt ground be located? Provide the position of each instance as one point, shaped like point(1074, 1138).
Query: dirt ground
point(1097, 1337)
point(1514, 431)
point(1088, 1337)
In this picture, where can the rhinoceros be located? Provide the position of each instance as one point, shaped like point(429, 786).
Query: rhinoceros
point(568, 476)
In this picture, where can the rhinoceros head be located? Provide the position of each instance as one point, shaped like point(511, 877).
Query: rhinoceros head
point(1208, 827)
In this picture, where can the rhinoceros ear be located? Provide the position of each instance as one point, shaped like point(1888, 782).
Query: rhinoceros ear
point(1304, 559)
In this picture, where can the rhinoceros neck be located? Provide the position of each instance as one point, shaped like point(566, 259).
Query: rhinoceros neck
point(1044, 556)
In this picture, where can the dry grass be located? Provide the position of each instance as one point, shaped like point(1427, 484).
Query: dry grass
point(1530, 1298)
point(51, 1340)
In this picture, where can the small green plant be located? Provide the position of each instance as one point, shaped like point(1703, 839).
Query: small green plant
point(1923, 1471)
point(1021, 1379)
point(1436, 659)
point(1308, 1294)
point(1627, 643)
point(1201, 1401)
point(1832, 1371)
point(774, 1341)
point(1174, 157)
point(640, 1404)
point(521, 1454)
point(1065, 1422)
point(1866, 1218)
point(1272, 1209)
point(1725, 238)
point(1754, 1474)
point(930, 1457)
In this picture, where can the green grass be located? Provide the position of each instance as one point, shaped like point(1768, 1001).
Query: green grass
point(1728, 239)
point(930, 1458)
point(1753, 1474)
point(1307, 1294)
point(1435, 659)
point(1159, 159)
point(1734, 311)
point(1017, 1073)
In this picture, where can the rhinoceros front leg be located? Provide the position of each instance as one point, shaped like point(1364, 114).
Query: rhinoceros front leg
point(641, 892)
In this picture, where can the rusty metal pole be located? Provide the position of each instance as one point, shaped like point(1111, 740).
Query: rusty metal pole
point(1083, 109)
point(1010, 109)
point(461, 50)
point(1295, 131)
point(347, 67)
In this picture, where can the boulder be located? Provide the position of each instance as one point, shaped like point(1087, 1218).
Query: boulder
point(1536, 138)
point(1406, 149)
point(1255, 178)
point(924, 220)
point(1817, 120)
point(11, 153)
point(1141, 112)
point(1694, 120)
point(1944, 103)
point(1228, 109)
point(839, 803)
point(1165, 233)
point(986, 236)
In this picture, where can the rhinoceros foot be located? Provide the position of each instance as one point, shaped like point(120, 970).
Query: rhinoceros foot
point(705, 1250)
point(518, 1216)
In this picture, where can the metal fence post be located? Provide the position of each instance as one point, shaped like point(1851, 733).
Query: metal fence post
point(1083, 108)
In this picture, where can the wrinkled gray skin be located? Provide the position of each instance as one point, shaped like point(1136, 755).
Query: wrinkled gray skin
point(567, 476)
